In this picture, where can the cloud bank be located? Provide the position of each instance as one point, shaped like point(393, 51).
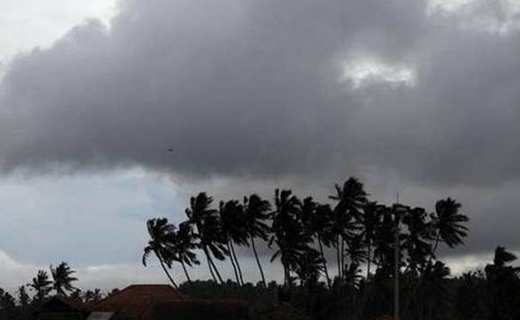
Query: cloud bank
point(257, 89)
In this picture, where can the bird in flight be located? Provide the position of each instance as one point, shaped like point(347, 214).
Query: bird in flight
point(170, 150)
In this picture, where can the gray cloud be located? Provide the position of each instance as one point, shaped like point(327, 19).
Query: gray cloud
point(252, 89)
point(234, 88)
point(249, 93)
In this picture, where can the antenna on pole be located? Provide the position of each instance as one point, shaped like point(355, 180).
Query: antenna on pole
point(396, 260)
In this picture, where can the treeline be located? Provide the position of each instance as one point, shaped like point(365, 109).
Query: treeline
point(368, 240)
point(29, 297)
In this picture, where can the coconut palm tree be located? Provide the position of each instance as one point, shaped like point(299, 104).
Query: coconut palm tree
point(351, 199)
point(384, 240)
point(62, 278)
point(232, 221)
point(449, 224)
point(317, 219)
point(209, 229)
point(288, 232)
point(370, 221)
point(23, 297)
point(160, 232)
point(182, 243)
point(502, 286)
point(502, 257)
point(41, 284)
point(417, 240)
point(309, 267)
point(256, 213)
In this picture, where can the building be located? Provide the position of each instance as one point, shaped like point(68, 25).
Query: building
point(162, 302)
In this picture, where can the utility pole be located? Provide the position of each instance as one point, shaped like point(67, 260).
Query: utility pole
point(396, 260)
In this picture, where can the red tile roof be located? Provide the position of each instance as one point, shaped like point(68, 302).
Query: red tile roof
point(143, 294)
point(137, 301)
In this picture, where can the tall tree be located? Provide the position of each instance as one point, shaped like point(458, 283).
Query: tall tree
point(256, 213)
point(370, 221)
point(350, 200)
point(448, 224)
point(232, 219)
point(62, 278)
point(502, 286)
point(23, 297)
point(212, 239)
point(160, 232)
point(182, 243)
point(317, 219)
point(417, 240)
point(41, 284)
point(287, 232)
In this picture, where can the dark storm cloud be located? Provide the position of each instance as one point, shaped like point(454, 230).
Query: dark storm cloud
point(240, 88)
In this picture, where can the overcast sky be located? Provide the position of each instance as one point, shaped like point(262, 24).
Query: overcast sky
point(420, 98)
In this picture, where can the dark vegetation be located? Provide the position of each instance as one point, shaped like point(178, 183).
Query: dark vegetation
point(357, 283)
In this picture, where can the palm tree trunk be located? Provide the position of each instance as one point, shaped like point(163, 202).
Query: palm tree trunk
point(342, 257)
point(209, 266)
point(169, 277)
point(368, 284)
point(324, 261)
point(232, 261)
point(236, 262)
point(421, 278)
point(258, 261)
point(215, 268)
point(369, 253)
point(185, 271)
point(338, 257)
point(287, 276)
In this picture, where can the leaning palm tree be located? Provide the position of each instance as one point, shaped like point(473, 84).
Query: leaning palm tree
point(212, 240)
point(417, 240)
point(317, 219)
point(502, 257)
point(41, 284)
point(62, 278)
point(233, 227)
point(351, 199)
point(160, 232)
point(309, 267)
point(370, 220)
point(448, 224)
point(256, 212)
point(288, 232)
point(182, 243)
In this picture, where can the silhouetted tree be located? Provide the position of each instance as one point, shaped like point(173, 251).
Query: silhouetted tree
point(256, 213)
point(350, 200)
point(160, 232)
point(370, 221)
point(233, 226)
point(23, 297)
point(503, 287)
point(288, 232)
point(448, 224)
point(317, 219)
point(62, 278)
point(212, 239)
point(41, 284)
point(181, 244)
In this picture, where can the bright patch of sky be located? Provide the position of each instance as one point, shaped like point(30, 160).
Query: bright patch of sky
point(102, 215)
point(497, 17)
point(446, 5)
point(365, 70)
point(25, 24)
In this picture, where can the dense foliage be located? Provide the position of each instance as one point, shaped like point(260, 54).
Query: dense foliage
point(366, 239)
